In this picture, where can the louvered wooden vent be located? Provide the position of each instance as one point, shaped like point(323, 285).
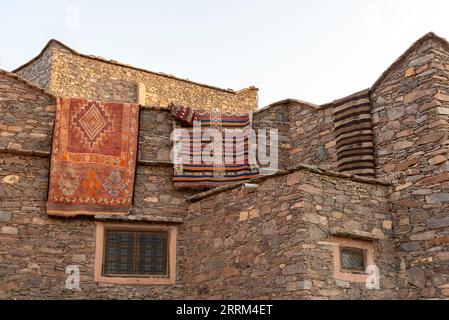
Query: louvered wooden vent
point(354, 134)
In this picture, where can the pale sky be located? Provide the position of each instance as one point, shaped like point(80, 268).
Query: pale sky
point(315, 51)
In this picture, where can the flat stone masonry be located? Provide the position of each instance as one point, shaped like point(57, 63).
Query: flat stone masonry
point(57, 69)
point(411, 138)
point(274, 240)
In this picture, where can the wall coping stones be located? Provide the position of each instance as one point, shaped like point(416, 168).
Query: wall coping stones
point(349, 97)
point(299, 167)
point(133, 218)
point(295, 102)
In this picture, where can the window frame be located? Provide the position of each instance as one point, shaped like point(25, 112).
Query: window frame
point(366, 246)
point(100, 245)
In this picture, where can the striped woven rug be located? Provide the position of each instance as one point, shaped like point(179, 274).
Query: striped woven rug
point(354, 134)
point(192, 171)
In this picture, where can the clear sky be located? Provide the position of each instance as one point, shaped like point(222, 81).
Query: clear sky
point(315, 51)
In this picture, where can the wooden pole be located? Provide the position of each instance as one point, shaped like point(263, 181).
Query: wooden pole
point(141, 92)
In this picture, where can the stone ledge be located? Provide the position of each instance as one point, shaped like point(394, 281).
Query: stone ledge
point(332, 173)
point(155, 108)
point(24, 152)
point(46, 154)
point(356, 234)
point(147, 163)
point(142, 107)
point(131, 218)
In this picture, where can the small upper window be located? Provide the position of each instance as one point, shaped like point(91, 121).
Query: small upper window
point(131, 253)
point(352, 259)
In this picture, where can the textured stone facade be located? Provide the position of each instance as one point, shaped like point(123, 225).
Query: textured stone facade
point(312, 136)
point(411, 134)
point(26, 115)
point(40, 71)
point(274, 241)
point(277, 118)
point(36, 249)
point(306, 132)
point(68, 73)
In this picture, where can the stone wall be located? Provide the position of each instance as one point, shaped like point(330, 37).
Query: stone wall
point(312, 136)
point(36, 249)
point(26, 123)
point(411, 126)
point(306, 133)
point(271, 242)
point(77, 75)
point(155, 127)
point(274, 241)
point(276, 117)
point(39, 72)
point(26, 115)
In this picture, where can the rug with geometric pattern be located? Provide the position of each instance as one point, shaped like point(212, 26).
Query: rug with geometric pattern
point(93, 158)
point(198, 166)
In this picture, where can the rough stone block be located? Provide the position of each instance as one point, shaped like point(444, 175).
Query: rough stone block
point(5, 216)
point(10, 230)
point(293, 269)
point(417, 277)
point(438, 223)
point(441, 197)
point(11, 179)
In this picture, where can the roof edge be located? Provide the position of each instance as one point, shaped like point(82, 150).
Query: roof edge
point(116, 63)
point(295, 102)
point(401, 58)
point(26, 82)
point(41, 53)
point(332, 103)
point(299, 167)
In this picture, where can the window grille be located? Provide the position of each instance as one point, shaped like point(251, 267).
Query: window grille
point(135, 253)
point(352, 259)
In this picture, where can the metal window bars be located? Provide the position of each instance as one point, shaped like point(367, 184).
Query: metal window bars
point(135, 253)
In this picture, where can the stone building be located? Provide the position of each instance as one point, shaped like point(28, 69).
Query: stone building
point(376, 194)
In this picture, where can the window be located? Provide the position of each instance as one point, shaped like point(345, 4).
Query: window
point(135, 254)
point(131, 253)
point(351, 258)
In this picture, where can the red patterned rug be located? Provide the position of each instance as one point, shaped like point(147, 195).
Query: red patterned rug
point(93, 158)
